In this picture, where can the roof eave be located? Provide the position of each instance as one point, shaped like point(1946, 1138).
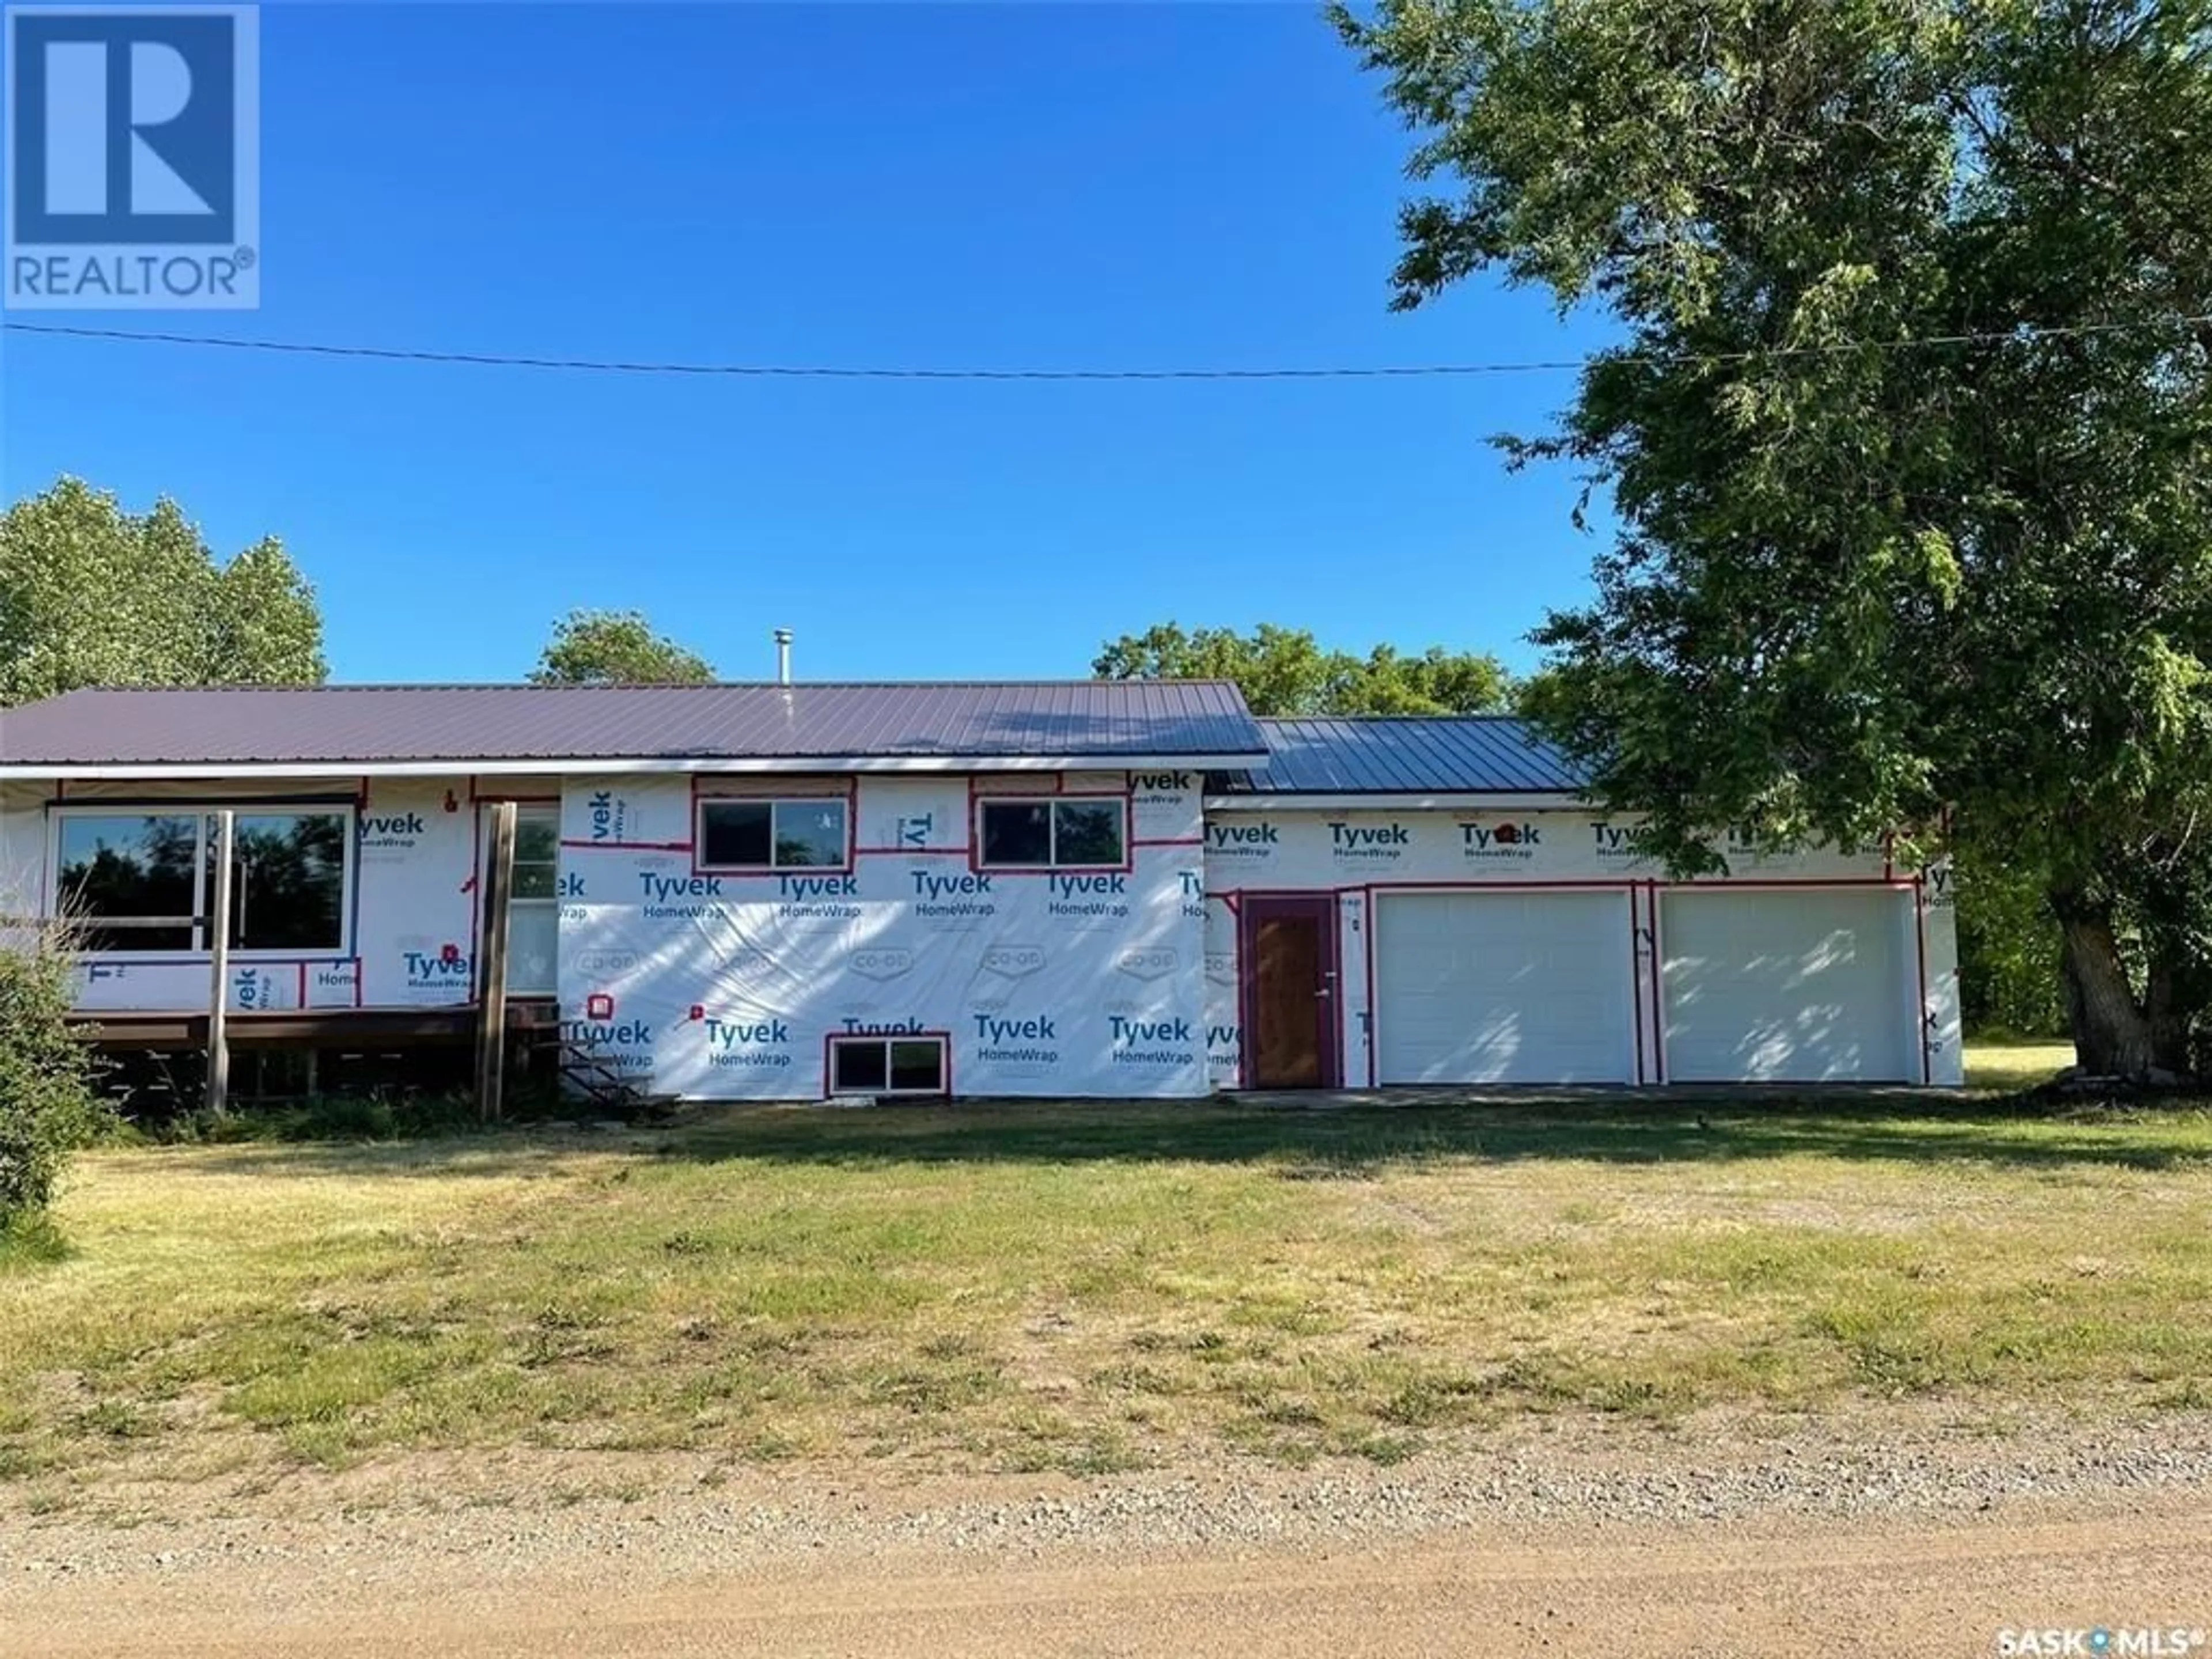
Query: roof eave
point(1401, 801)
point(516, 766)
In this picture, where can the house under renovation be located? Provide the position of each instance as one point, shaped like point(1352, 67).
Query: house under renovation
point(787, 891)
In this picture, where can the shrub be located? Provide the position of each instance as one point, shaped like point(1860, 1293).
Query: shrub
point(47, 1105)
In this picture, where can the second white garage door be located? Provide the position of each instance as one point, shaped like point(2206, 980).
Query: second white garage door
point(1504, 988)
point(1805, 985)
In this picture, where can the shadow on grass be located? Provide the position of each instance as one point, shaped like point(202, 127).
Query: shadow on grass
point(1343, 1143)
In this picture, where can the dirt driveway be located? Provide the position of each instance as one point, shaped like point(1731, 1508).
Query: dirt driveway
point(1913, 1539)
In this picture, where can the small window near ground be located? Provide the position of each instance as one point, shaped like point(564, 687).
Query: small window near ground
point(1053, 835)
point(772, 835)
point(887, 1065)
point(859, 1068)
point(918, 1067)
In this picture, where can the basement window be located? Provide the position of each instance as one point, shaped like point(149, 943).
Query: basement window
point(1086, 833)
point(887, 1065)
point(773, 835)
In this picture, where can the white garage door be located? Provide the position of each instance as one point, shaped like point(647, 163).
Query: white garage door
point(1797, 986)
point(1504, 988)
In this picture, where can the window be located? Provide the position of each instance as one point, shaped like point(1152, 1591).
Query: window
point(772, 835)
point(126, 867)
point(1017, 832)
point(288, 880)
point(534, 915)
point(918, 1066)
point(289, 872)
point(887, 1065)
point(1049, 834)
point(1087, 832)
point(536, 855)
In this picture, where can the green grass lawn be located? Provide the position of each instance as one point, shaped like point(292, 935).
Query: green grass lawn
point(1094, 1287)
point(2013, 1065)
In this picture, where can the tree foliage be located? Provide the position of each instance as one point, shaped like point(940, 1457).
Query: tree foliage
point(47, 1107)
point(1909, 431)
point(2008, 979)
point(1285, 672)
point(616, 648)
point(93, 595)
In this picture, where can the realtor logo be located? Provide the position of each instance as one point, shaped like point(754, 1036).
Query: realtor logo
point(133, 161)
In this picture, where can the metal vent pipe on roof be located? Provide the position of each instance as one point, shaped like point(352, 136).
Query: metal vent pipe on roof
point(783, 656)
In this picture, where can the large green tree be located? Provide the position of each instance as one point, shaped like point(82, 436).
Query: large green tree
point(616, 648)
point(93, 595)
point(1909, 429)
point(1284, 670)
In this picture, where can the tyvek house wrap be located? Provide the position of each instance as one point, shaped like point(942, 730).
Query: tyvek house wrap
point(410, 922)
point(728, 987)
point(416, 931)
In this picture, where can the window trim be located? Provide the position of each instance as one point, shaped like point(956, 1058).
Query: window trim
point(1053, 865)
point(832, 1041)
point(842, 799)
point(346, 807)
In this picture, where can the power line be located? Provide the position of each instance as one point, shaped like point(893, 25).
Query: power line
point(786, 371)
point(1340, 372)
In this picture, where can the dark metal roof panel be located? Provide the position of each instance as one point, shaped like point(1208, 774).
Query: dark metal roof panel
point(1474, 754)
point(817, 721)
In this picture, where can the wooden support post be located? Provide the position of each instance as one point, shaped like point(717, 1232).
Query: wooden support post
point(218, 926)
point(498, 877)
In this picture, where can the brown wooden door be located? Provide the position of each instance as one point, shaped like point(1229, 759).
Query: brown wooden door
point(1290, 981)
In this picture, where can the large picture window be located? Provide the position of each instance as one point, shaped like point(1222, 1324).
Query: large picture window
point(1084, 834)
point(773, 834)
point(289, 873)
point(288, 880)
point(130, 865)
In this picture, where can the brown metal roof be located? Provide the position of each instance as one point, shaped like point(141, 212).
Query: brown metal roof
point(1420, 755)
point(811, 720)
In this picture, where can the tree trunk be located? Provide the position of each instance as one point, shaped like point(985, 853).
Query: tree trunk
point(2169, 1026)
point(2174, 993)
point(2111, 1035)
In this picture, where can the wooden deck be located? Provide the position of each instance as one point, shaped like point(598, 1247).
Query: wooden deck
point(333, 1028)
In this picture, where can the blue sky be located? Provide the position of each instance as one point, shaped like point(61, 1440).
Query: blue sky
point(1007, 186)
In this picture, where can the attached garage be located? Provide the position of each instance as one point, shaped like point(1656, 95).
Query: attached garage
point(1505, 987)
point(1789, 985)
point(1435, 901)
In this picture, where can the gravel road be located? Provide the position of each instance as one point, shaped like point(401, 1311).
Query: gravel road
point(1923, 1537)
